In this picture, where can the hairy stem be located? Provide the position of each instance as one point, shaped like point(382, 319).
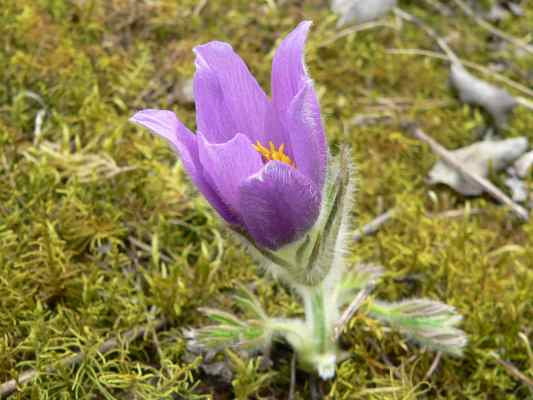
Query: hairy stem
point(320, 314)
point(318, 319)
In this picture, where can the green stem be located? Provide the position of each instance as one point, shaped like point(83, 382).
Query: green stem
point(319, 320)
point(321, 351)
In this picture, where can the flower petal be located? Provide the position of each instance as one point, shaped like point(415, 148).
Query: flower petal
point(278, 204)
point(276, 131)
point(163, 123)
point(184, 142)
point(306, 133)
point(213, 117)
point(228, 164)
point(228, 98)
point(295, 100)
point(288, 67)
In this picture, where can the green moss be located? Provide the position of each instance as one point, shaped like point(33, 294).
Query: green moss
point(100, 230)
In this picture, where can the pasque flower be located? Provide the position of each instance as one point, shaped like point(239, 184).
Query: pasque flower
point(260, 162)
point(263, 165)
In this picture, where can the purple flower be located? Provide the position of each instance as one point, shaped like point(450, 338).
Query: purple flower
point(260, 162)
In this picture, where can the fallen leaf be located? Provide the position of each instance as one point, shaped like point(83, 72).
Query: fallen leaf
point(518, 187)
point(478, 158)
point(497, 102)
point(360, 11)
point(522, 166)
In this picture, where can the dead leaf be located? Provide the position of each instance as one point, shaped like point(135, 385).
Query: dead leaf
point(478, 158)
point(522, 166)
point(518, 187)
point(497, 102)
point(360, 11)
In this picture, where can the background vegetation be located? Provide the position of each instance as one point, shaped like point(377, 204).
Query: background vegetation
point(101, 232)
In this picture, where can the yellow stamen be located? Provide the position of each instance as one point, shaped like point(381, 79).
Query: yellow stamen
point(273, 154)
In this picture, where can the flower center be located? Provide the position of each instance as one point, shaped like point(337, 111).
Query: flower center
point(272, 153)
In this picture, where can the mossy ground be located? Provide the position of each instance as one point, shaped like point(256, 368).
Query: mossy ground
point(100, 230)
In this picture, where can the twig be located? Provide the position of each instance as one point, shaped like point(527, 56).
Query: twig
point(433, 366)
point(487, 71)
point(444, 10)
point(525, 339)
point(456, 213)
point(199, 7)
point(39, 119)
point(383, 105)
point(512, 370)
point(386, 107)
point(272, 4)
point(39, 116)
point(430, 31)
point(524, 102)
point(347, 315)
point(370, 119)
point(453, 162)
point(9, 387)
point(292, 388)
point(147, 248)
point(354, 29)
point(374, 225)
point(388, 363)
point(495, 31)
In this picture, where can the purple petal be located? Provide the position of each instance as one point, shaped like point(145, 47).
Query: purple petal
point(163, 123)
point(306, 133)
point(278, 205)
point(228, 98)
point(288, 67)
point(276, 131)
point(213, 117)
point(228, 165)
point(295, 100)
point(184, 142)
